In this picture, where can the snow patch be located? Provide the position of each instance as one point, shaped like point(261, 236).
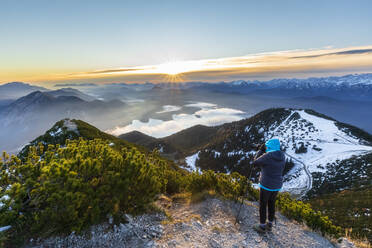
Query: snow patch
point(191, 162)
point(4, 228)
point(56, 133)
point(216, 154)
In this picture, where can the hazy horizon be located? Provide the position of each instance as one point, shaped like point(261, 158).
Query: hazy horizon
point(46, 42)
point(53, 85)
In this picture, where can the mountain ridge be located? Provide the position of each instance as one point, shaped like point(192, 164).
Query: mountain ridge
point(352, 86)
point(45, 108)
point(231, 146)
point(334, 169)
point(66, 129)
point(60, 100)
point(15, 90)
point(73, 129)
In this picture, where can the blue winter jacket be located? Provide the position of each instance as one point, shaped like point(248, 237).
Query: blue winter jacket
point(272, 165)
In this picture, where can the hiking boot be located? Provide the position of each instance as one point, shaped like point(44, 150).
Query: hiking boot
point(269, 226)
point(259, 228)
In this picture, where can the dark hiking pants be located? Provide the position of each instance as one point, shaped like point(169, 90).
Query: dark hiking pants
point(267, 202)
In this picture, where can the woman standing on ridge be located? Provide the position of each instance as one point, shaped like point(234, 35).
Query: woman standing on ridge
point(271, 161)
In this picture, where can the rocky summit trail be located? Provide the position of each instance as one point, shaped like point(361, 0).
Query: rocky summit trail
point(211, 224)
point(208, 223)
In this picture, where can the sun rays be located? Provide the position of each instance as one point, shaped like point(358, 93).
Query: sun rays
point(172, 71)
point(298, 63)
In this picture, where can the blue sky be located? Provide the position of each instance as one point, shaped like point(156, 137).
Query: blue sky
point(57, 37)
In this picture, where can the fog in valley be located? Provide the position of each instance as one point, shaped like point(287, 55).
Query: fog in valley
point(156, 110)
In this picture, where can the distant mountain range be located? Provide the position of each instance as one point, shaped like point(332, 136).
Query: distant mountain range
point(348, 98)
point(355, 86)
point(17, 89)
point(349, 87)
point(60, 102)
point(22, 119)
point(71, 92)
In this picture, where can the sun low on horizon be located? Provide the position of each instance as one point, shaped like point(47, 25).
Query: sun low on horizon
point(207, 41)
point(292, 63)
point(172, 68)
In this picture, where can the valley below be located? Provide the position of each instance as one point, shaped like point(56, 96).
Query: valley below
point(199, 127)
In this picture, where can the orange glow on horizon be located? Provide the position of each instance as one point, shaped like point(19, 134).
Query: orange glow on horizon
point(264, 65)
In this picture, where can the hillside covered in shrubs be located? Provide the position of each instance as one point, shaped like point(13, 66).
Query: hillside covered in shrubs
point(56, 189)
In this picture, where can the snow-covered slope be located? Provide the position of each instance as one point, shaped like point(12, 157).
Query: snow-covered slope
point(336, 155)
point(314, 142)
point(191, 161)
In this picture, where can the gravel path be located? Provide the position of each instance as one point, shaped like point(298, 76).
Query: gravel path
point(209, 223)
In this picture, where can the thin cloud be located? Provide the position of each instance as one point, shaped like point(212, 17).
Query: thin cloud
point(113, 71)
point(349, 52)
point(300, 63)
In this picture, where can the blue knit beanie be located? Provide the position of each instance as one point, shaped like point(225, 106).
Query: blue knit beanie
point(272, 145)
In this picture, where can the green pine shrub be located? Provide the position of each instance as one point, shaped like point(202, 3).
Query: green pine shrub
point(65, 189)
point(229, 186)
point(176, 181)
point(302, 212)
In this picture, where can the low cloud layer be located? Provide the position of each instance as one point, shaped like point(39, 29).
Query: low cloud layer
point(169, 108)
point(209, 115)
